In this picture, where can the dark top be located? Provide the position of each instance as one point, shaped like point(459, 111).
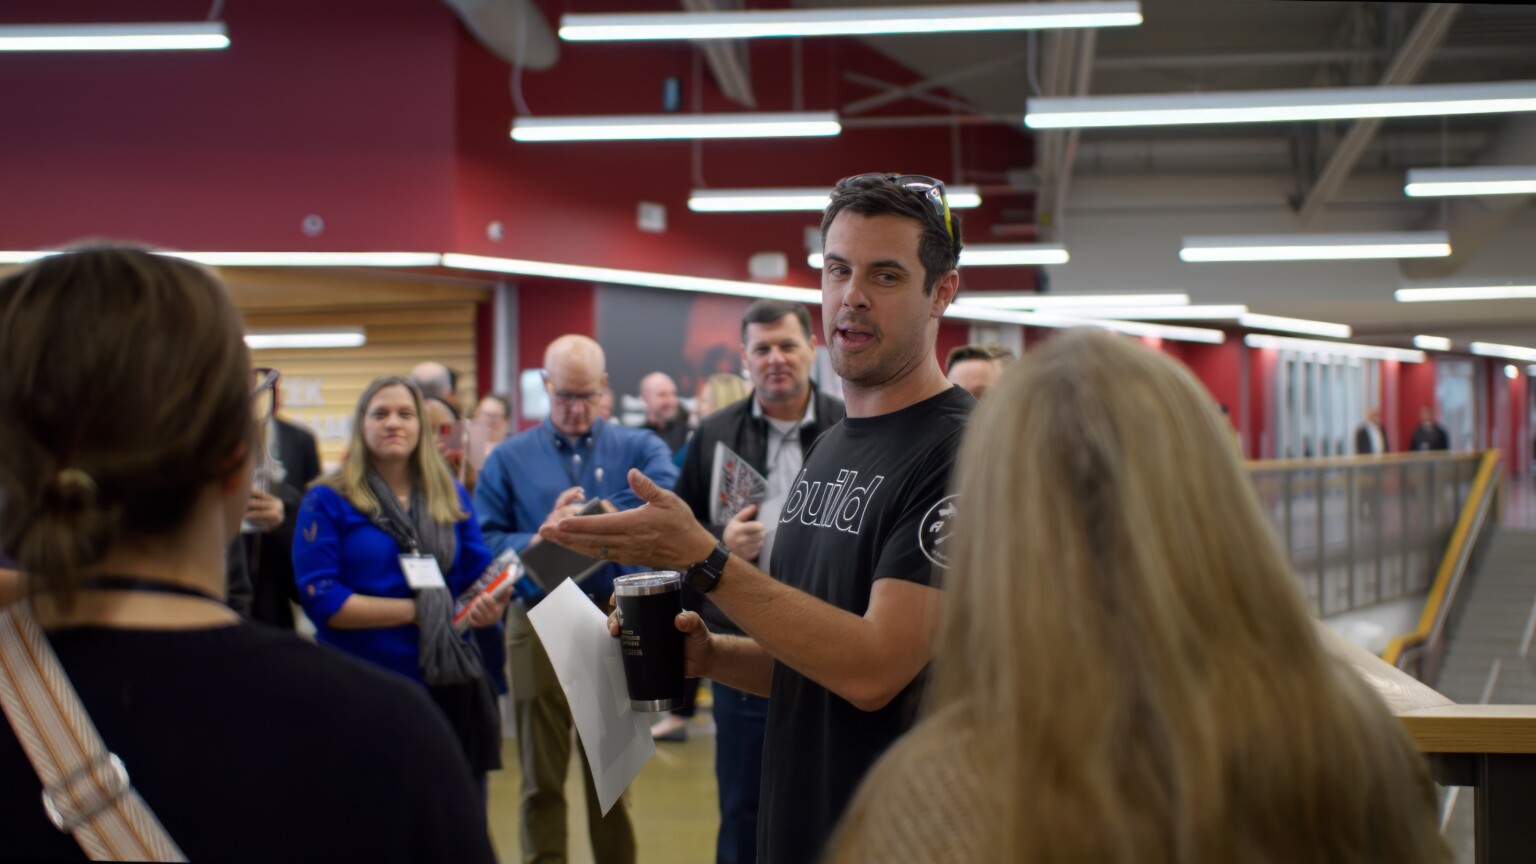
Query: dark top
point(870, 504)
point(1432, 437)
point(1363, 444)
point(251, 744)
point(739, 428)
point(674, 433)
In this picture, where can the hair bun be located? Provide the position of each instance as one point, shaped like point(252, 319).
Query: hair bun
point(72, 490)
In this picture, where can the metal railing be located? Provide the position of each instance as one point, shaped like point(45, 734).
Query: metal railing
point(1365, 530)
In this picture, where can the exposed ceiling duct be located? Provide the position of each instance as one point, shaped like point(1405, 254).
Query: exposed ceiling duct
point(514, 30)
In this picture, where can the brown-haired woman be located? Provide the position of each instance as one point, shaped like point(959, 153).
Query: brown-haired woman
point(364, 534)
point(125, 464)
point(1126, 670)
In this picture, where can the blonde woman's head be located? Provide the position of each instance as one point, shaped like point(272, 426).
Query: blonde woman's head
point(1124, 633)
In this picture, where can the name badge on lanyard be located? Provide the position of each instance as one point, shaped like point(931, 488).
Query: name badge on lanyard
point(421, 572)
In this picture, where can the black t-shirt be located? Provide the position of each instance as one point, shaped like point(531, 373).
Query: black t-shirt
point(250, 744)
point(869, 504)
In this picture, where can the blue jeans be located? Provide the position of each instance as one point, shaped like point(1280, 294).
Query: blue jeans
point(741, 720)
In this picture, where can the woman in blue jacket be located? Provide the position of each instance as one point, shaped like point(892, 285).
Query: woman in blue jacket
point(382, 548)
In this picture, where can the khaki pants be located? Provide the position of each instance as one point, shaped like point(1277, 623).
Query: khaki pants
point(544, 751)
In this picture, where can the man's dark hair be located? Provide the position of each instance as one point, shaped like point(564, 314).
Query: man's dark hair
point(963, 353)
point(773, 311)
point(877, 195)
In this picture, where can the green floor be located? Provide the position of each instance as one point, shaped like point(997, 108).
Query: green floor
point(672, 802)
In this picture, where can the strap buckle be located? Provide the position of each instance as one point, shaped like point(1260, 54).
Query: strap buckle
point(108, 781)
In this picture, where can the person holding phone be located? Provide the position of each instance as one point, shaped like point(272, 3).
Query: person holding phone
point(539, 476)
point(384, 546)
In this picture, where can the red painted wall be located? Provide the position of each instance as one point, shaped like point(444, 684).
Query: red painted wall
point(1262, 363)
point(339, 109)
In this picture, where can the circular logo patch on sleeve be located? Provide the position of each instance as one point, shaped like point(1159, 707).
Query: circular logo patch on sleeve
point(936, 529)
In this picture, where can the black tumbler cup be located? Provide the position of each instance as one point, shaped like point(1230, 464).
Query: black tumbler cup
point(649, 640)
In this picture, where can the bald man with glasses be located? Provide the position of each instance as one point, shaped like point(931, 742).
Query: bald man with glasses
point(539, 476)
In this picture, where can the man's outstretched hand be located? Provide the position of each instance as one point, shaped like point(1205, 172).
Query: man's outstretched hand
point(660, 533)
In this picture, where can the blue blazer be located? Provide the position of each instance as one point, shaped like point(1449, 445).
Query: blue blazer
point(338, 552)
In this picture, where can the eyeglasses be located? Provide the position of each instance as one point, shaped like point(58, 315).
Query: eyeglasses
point(931, 189)
point(569, 399)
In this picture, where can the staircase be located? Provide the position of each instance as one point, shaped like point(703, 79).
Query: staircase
point(1483, 658)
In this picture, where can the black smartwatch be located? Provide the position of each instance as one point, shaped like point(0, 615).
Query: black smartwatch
point(705, 575)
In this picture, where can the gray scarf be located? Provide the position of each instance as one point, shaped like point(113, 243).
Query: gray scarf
point(445, 658)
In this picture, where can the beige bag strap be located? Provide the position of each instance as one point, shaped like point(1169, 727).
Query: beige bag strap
point(86, 791)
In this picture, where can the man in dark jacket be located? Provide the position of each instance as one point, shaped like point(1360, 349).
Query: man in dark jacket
point(1371, 438)
point(770, 432)
point(1429, 435)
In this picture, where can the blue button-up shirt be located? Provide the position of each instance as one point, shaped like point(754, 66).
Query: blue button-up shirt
point(526, 473)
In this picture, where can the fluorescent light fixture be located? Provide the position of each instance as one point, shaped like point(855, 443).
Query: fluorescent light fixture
point(1268, 106)
point(1508, 352)
point(1343, 349)
point(270, 259)
point(1511, 372)
point(1432, 343)
point(657, 127)
point(758, 23)
point(1486, 289)
point(1012, 254)
point(1050, 319)
point(1316, 247)
point(1096, 302)
point(810, 199)
point(184, 36)
point(631, 277)
point(307, 337)
point(994, 255)
point(1160, 313)
point(1294, 325)
point(1442, 182)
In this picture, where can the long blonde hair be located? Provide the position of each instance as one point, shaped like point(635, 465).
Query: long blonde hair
point(428, 471)
point(1123, 633)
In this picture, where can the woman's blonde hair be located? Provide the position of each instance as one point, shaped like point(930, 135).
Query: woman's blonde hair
point(1123, 634)
point(723, 388)
point(429, 472)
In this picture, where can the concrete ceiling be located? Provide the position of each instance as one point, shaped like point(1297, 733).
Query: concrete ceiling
point(1198, 45)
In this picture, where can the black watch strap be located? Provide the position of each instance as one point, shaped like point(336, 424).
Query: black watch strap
point(705, 575)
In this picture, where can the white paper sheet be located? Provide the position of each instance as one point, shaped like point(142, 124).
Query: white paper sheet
point(586, 659)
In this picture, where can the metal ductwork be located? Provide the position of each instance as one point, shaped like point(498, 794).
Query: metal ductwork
point(514, 30)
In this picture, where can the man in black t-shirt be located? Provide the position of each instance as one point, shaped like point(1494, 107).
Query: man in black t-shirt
point(840, 638)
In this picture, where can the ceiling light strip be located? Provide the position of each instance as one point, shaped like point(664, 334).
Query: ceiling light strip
point(1443, 292)
point(1270, 106)
point(1343, 349)
point(1158, 313)
point(1490, 180)
point(767, 23)
point(993, 255)
point(181, 36)
point(1129, 302)
point(1432, 343)
point(1316, 247)
point(659, 127)
point(639, 278)
point(805, 199)
point(306, 337)
point(269, 259)
point(1508, 352)
point(1294, 325)
point(1048, 319)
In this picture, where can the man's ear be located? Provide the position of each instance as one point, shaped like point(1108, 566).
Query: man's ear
point(944, 293)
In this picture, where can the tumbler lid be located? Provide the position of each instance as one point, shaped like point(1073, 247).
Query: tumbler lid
point(640, 584)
